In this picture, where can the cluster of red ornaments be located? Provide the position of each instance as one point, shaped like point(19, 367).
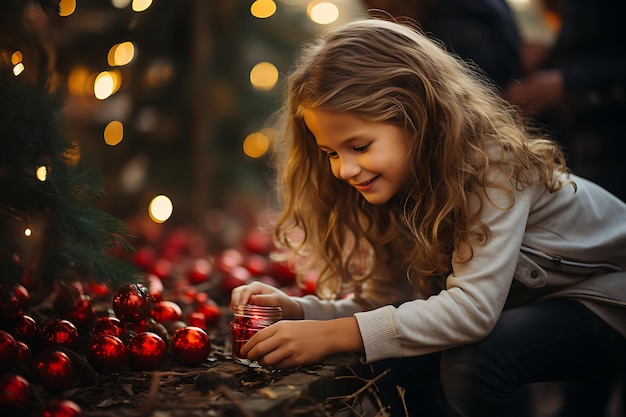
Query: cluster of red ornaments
point(138, 331)
point(111, 344)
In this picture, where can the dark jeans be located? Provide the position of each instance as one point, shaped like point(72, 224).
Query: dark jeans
point(552, 340)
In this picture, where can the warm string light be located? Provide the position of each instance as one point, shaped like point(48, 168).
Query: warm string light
point(264, 76)
point(41, 173)
point(263, 9)
point(322, 12)
point(67, 7)
point(141, 5)
point(18, 65)
point(160, 209)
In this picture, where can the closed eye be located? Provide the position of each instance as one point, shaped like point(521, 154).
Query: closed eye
point(331, 154)
point(363, 148)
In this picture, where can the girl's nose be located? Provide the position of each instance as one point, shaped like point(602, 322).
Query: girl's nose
point(348, 169)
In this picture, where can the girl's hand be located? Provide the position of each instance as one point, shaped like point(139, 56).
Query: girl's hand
point(265, 295)
point(287, 343)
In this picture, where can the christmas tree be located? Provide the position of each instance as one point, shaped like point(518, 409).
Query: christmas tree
point(51, 229)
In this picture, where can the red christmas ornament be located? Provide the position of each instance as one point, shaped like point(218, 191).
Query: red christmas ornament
point(108, 325)
point(155, 285)
point(282, 272)
point(145, 257)
point(106, 353)
point(53, 370)
point(197, 319)
point(258, 241)
point(15, 394)
point(161, 268)
point(211, 311)
point(228, 259)
point(22, 294)
point(165, 311)
point(9, 350)
point(83, 315)
point(190, 345)
point(139, 327)
point(24, 352)
point(9, 304)
point(59, 332)
point(200, 271)
point(59, 407)
point(146, 351)
point(237, 276)
point(132, 303)
point(23, 327)
point(256, 264)
point(99, 289)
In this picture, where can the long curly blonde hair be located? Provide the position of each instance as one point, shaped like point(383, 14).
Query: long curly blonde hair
point(459, 130)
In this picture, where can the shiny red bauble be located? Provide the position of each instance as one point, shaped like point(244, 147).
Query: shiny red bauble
point(9, 304)
point(190, 345)
point(144, 257)
point(235, 277)
point(108, 325)
point(228, 259)
point(165, 311)
point(146, 351)
point(132, 303)
point(23, 327)
point(282, 272)
point(59, 332)
point(258, 241)
point(22, 294)
point(199, 271)
point(24, 352)
point(60, 407)
point(211, 311)
point(83, 315)
point(197, 319)
point(9, 350)
point(106, 353)
point(256, 264)
point(162, 268)
point(15, 394)
point(53, 370)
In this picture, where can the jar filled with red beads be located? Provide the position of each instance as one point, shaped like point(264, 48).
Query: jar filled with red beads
point(248, 320)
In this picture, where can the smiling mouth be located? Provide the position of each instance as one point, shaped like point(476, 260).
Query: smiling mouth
point(368, 182)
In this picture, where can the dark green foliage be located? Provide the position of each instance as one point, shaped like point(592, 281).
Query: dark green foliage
point(72, 238)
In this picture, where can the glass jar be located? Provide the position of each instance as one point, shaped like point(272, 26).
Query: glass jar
point(248, 320)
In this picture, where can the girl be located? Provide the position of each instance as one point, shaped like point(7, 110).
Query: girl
point(475, 262)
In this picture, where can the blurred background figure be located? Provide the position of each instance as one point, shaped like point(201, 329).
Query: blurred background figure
point(577, 87)
point(482, 31)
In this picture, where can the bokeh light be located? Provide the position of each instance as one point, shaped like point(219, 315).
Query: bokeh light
point(113, 133)
point(41, 173)
point(18, 69)
point(67, 7)
point(323, 12)
point(16, 57)
point(141, 5)
point(121, 54)
point(255, 145)
point(263, 9)
point(160, 209)
point(78, 81)
point(106, 84)
point(120, 4)
point(264, 76)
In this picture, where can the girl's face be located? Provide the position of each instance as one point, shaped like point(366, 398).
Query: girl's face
point(369, 156)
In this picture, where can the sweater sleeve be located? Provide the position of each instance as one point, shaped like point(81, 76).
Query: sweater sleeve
point(475, 293)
